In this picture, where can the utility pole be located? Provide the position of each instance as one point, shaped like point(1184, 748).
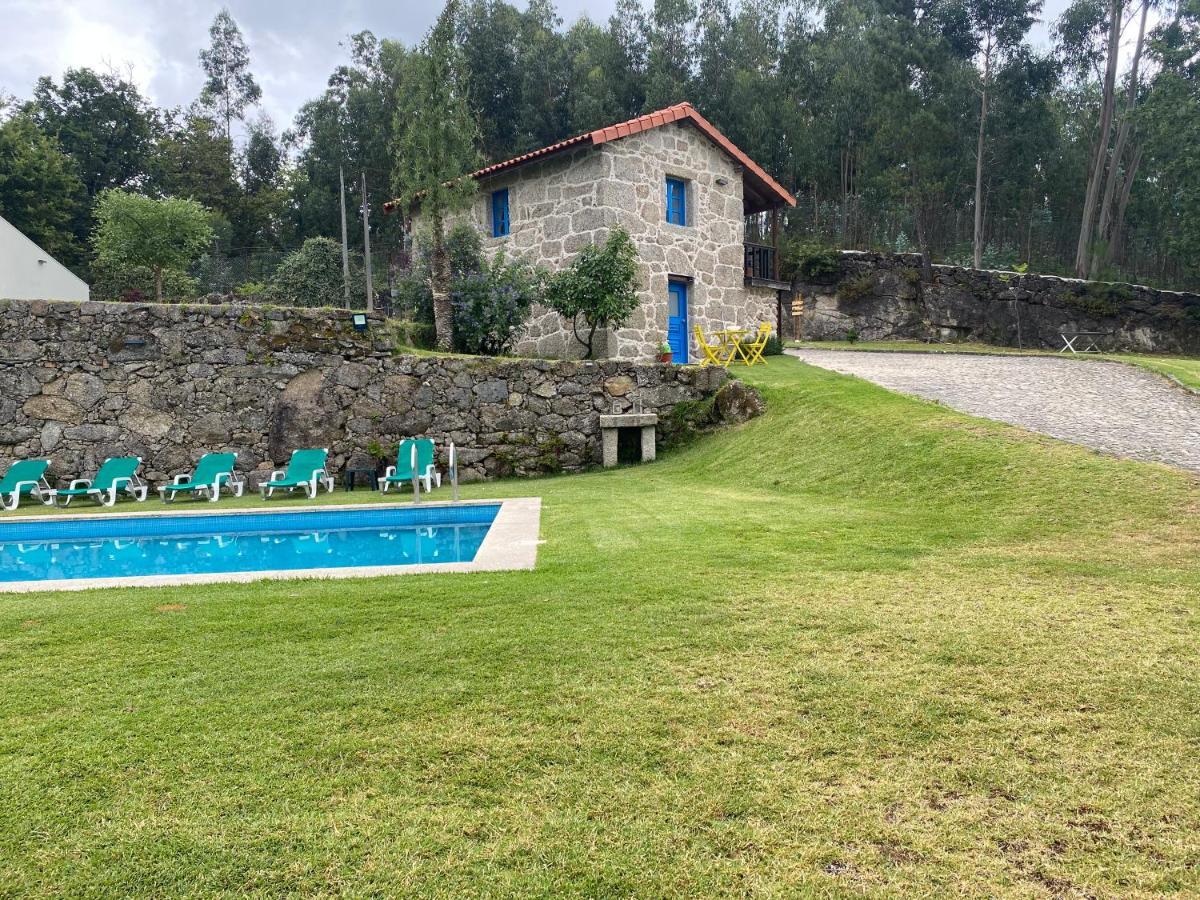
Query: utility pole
point(366, 213)
point(345, 246)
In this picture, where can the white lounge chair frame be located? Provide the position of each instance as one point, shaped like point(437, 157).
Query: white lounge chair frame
point(41, 490)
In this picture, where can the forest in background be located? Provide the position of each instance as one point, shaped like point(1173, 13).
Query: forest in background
point(898, 124)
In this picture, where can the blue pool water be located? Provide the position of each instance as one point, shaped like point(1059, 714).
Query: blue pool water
point(104, 547)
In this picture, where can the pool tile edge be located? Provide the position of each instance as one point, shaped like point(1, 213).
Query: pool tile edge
point(511, 544)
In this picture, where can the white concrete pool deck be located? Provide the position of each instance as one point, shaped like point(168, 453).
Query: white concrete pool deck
point(511, 543)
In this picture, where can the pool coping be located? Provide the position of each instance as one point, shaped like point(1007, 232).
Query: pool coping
point(510, 544)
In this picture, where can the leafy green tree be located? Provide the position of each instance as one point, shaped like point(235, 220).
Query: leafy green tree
point(40, 194)
point(262, 204)
point(195, 161)
point(134, 230)
point(103, 123)
point(598, 290)
point(229, 87)
point(437, 146)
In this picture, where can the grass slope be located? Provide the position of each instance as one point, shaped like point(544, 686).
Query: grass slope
point(858, 646)
point(1185, 370)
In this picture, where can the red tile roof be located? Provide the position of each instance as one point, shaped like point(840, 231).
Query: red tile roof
point(763, 183)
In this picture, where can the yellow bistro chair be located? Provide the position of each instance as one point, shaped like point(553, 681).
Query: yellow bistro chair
point(752, 353)
point(712, 352)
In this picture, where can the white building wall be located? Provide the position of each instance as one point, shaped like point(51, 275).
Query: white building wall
point(27, 272)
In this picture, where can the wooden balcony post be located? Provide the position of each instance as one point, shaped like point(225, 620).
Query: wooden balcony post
point(775, 243)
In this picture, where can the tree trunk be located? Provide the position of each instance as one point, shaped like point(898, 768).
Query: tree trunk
point(443, 312)
point(158, 279)
point(983, 111)
point(1118, 235)
point(1103, 251)
point(922, 242)
point(1092, 196)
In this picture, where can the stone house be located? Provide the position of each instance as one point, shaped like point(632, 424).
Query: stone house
point(681, 189)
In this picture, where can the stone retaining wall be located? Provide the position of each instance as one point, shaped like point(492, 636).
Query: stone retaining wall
point(883, 296)
point(83, 381)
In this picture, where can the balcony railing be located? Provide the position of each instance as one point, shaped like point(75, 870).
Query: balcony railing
point(761, 262)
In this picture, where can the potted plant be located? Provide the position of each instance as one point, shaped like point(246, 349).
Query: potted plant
point(664, 352)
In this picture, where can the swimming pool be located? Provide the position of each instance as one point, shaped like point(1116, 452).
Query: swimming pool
point(190, 547)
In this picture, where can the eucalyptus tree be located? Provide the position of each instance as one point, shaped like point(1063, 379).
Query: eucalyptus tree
point(543, 74)
point(1170, 119)
point(1079, 32)
point(997, 29)
point(229, 87)
point(350, 127)
point(671, 53)
point(438, 142)
point(1121, 171)
point(488, 32)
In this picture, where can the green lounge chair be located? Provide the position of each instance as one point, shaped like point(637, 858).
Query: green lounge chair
point(24, 478)
point(119, 473)
point(402, 473)
point(213, 472)
point(306, 469)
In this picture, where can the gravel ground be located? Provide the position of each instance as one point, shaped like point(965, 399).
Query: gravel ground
point(1107, 406)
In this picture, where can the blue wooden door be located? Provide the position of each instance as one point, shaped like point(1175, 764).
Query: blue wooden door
point(677, 319)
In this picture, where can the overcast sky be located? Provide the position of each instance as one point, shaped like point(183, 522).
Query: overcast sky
point(294, 44)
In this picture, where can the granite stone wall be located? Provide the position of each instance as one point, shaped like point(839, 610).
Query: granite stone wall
point(883, 296)
point(83, 381)
point(559, 204)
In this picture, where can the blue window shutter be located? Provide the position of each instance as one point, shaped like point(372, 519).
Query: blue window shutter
point(676, 201)
point(500, 220)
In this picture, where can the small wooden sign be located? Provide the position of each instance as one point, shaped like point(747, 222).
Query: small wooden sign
point(797, 305)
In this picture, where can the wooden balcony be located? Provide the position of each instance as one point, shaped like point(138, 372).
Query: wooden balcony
point(762, 267)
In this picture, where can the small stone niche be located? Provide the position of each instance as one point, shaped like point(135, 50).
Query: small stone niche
point(628, 437)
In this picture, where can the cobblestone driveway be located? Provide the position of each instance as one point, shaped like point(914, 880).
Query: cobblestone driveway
point(1106, 406)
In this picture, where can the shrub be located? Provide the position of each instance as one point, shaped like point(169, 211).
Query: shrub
point(774, 346)
point(852, 335)
point(250, 289)
point(413, 334)
point(598, 289)
point(311, 276)
point(810, 260)
point(1098, 299)
point(857, 288)
point(492, 304)
point(414, 294)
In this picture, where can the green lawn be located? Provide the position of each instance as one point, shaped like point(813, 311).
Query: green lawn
point(860, 646)
point(1185, 370)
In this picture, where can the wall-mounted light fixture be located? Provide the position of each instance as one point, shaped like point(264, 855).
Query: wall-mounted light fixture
point(722, 180)
point(360, 321)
